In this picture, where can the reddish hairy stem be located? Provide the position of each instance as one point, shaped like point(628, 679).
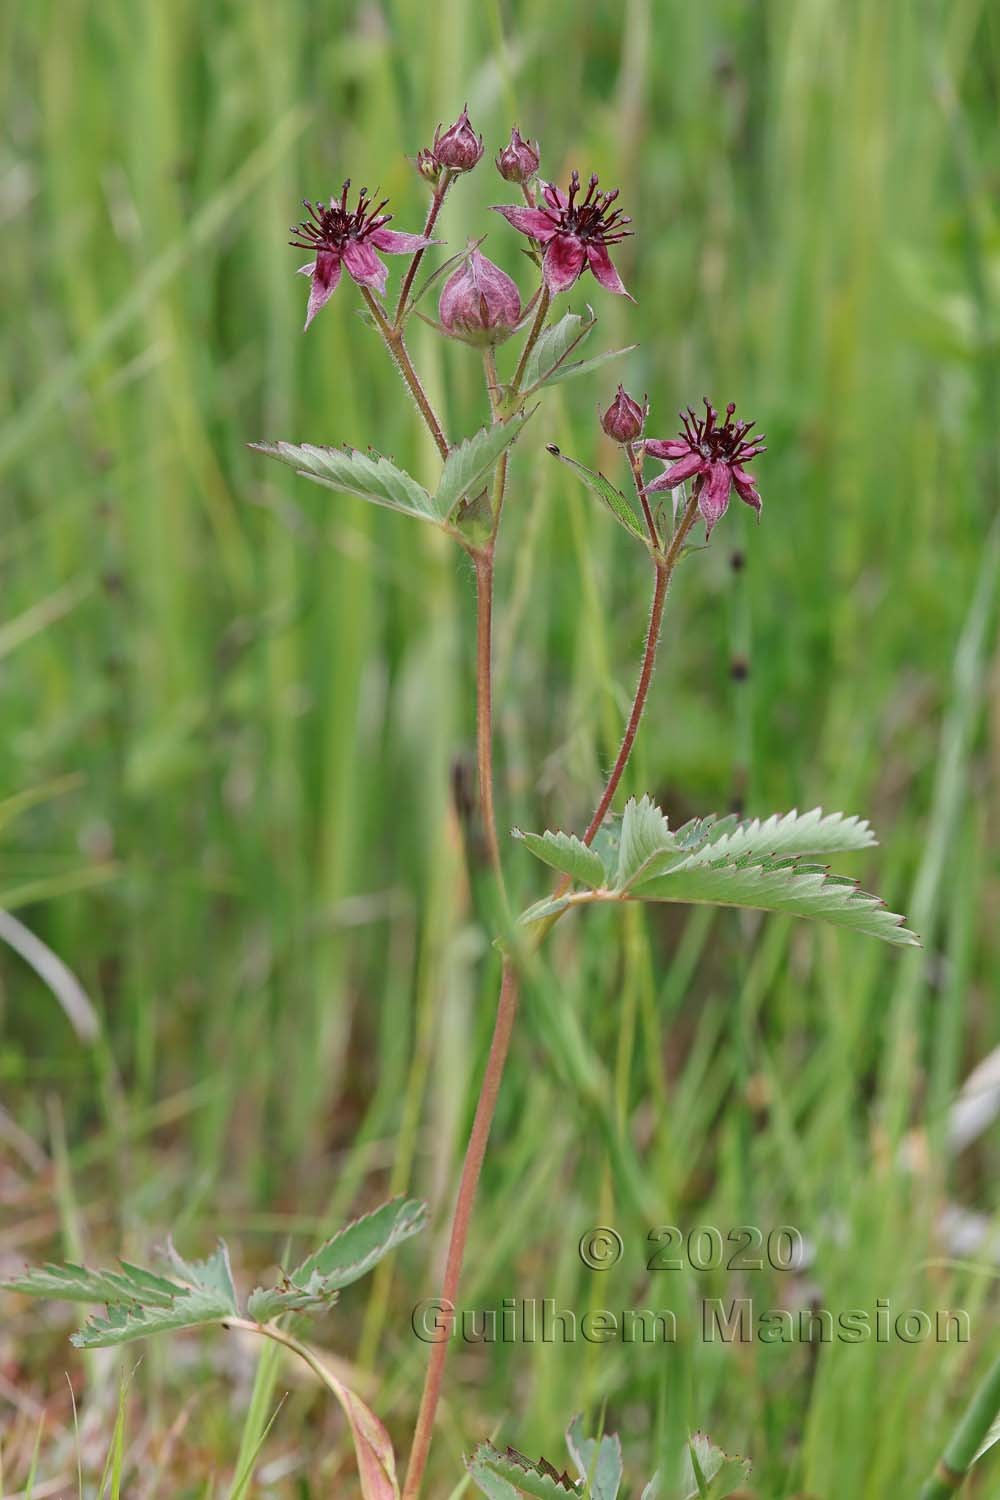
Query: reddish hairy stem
point(440, 193)
point(532, 339)
point(665, 565)
point(638, 703)
point(471, 1168)
point(635, 463)
point(393, 339)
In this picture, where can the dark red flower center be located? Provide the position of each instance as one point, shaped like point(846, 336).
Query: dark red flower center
point(728, 442)
point(331, 225)
point(588, 219)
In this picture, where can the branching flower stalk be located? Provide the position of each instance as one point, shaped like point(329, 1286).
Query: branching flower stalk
point(571, 232)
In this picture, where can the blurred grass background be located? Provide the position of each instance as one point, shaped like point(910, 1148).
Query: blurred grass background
point(234, 704)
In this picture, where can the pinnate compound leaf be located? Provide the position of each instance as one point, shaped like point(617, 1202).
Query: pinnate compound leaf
point(139, 1302)
point(566, 853)
point(599, 1464)
point(605, 492)
point(554, 346)
point(369, 475)
point(518, 1474)
point(717, 863)
point(471, 461)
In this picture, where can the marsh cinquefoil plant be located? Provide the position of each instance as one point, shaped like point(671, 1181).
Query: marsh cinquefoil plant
point(771, 863)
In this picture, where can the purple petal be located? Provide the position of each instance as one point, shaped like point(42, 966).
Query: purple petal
point(364, 266)
point(745, 487)
point(686, 468)
point(667, 448)
point(562, 263)
point(530, 221)
point(600, 264)
point(713, 502)
point(395, 243)
point(325, 273)
point(554, 197)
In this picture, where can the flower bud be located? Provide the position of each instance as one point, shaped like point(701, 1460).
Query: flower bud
point(459, 148)
point(479, 303)
point(428, 165)
point(624, 418)
point(518, 161)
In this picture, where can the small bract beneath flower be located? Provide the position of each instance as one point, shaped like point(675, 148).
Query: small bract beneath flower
point(624, 418)
point(714, 456)
point(459, 148)
point(428, 165)
point(479, 303)
point(339, 236)
point(518, 160)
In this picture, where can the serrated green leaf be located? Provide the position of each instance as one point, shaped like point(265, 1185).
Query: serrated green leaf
point(369, 475)
point(493, 1485)
point(775, 886)
point(791, 833)
point(645, 836)
point(599, 1465)
point(265, 1303)
point(554, 346)
point(72, 1283)
point(569, 371)
point(605, 492)
point(122, 1324)
point(353, 1251)
point(315, 1284)
point(471, 461)
point(138, 1301)
point(566, 853)
point(214, 1275)
point(696, 831)
point(541, 1480)
point(709, 1473)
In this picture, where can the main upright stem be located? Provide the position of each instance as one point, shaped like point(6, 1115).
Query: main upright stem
point(484, 705)
point(471, 1168)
